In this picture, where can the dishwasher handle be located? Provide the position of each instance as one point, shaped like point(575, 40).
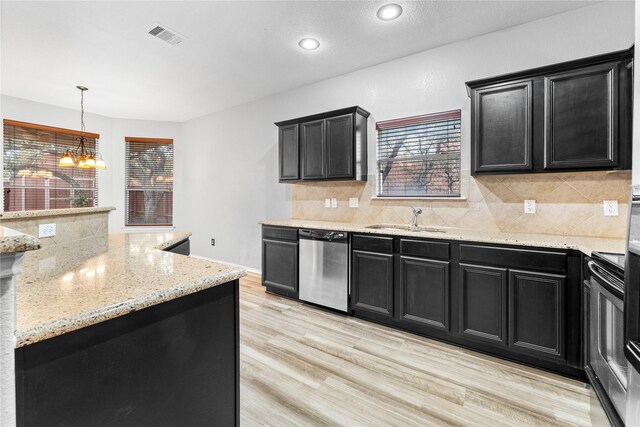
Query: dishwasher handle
point(330, 236)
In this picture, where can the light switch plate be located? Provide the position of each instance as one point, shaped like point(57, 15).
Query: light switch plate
point(46, 230)
point(610, 207)
point(327, 203)
point(334, 203)
point(353, 202)
point(529, 206)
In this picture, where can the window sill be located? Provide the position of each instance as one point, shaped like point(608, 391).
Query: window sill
point(453, 199)
point(149, 229)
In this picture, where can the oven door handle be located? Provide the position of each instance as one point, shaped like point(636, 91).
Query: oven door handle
point(595, 272)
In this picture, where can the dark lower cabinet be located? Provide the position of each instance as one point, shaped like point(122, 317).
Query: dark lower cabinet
point(280, 260)
point(172, 364)
point(483, 304)
point(280, 268)
point(181, 248)
point(514, 302)
point(424, 292)
point(372, 283)
point(536, 313)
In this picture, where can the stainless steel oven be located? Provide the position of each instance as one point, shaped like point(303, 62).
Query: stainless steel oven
point(632, 307)
point(606, 362)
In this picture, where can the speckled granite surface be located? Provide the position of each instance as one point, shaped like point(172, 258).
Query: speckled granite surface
point(12, 241)
point(53, 212)
point(70, 286)
point(583, 244)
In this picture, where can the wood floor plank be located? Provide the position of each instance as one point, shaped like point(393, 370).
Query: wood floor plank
point(305, 366)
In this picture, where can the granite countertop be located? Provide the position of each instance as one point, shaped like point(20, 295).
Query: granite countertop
point(584, 244)
point(12, 241)
point(53, 212)
point(69, 286)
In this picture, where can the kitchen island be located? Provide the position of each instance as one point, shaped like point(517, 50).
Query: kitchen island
point(113, 330)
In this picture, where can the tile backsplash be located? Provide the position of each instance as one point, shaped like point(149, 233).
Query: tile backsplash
point(68, 227)
point(566, 203)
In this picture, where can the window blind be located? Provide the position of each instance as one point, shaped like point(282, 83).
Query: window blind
point(32, 179)
point(149, 178)
point(419, 156)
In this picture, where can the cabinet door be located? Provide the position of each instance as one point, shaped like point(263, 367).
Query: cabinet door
point(483, 303)
point(424, 292)
point(502, 127)
point(372, 286)
point(581, 118)
point(536, 313)
point(313, 151)
point(339, 144)
point(288, 155)
point(280, 265)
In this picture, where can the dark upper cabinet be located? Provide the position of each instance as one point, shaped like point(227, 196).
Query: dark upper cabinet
point(503, 127)
point(332, 146)
point(570, 116)
point(339, 146)
point(313, 149)
point(536, 313)
point(288, 153)
point(424, 292)
point(581, 118)
point(280, 260)
point(483, 304)
point(372, 283)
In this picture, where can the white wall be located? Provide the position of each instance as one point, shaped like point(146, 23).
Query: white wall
point(226, 174)
point(111, 182)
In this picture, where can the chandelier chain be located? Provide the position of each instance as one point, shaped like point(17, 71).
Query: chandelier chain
point(82, 110)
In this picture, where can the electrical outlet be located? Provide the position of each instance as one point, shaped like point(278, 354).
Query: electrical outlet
point(529, 206)
point(610, 207)
point(353, 202)
point(46, 230)
point(334, 203)
point(213, 242)
point(327, 203)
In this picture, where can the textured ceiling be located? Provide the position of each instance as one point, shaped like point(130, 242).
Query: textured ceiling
point(235, 52)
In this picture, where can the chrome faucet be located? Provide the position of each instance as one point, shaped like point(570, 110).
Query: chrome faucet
point(416, 212)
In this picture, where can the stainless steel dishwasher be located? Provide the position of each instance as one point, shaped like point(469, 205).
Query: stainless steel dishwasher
point(324, 268)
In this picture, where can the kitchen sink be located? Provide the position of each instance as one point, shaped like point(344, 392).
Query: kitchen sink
point(419, 229)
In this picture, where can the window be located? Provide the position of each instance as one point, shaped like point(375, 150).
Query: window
point(32, 179)
point(419, 156)
point(149, 176)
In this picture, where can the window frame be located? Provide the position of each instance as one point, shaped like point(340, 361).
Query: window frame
point(145, 140)
point(406, 122)
point(91, 139)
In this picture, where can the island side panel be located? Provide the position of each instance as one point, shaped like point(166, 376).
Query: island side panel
point(176, 363)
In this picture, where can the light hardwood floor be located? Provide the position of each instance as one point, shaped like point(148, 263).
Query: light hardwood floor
point(301, 366)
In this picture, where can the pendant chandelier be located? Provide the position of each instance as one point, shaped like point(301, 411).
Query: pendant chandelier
point(81, 157)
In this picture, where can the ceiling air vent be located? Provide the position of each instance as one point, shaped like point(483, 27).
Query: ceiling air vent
point(167, 35)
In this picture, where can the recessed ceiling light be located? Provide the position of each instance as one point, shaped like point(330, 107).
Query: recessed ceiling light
point(309, 43)
point(389, 12)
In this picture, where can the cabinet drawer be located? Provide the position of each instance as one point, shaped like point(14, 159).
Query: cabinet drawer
point(372, 243)
point(280, 233)
point(424, 248)
point(516, 258)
